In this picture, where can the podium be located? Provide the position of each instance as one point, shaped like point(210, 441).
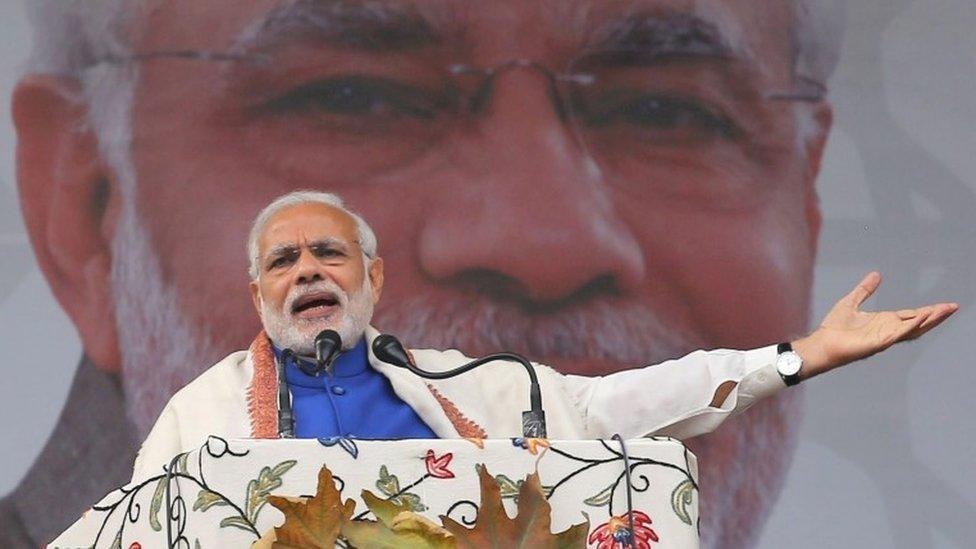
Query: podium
point(217, 496)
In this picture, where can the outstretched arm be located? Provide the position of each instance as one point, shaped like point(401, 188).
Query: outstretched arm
point(692, 395)
point(847, 333)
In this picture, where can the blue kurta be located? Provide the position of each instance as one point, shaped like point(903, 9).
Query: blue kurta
point(356, 401)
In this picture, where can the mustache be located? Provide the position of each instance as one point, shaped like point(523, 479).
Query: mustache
point(318, 287)
point(604, 329)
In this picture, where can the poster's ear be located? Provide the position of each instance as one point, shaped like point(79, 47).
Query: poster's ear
point(822, 118)
point(70, 206)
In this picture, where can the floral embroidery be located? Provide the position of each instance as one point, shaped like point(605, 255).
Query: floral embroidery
point(615, 533)
point(464, 426)
point(389, 485)
point(437, 466)
point(262, 404)
point(530, 444)
point(347, 444)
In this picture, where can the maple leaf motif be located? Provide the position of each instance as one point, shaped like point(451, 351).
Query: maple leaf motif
point(531, 527)
point(437, 466)
point(315, 522)
point(398, 527)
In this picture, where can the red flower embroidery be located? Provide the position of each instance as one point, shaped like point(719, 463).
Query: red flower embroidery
point(135, 545)
point(615, 533)
point(437, 466)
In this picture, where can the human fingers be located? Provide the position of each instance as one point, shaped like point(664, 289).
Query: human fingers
point(939, 314)
point(864, 289)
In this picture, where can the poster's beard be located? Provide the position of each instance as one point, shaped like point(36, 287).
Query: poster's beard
point(349, 321)
point(599, 330)
point(742, 465)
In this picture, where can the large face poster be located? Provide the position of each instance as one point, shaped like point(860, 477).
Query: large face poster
point(596, 184)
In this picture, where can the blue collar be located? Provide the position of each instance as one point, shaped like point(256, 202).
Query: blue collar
point(350, 363)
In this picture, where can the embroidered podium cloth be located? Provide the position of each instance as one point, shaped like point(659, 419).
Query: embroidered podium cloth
point(217, 494)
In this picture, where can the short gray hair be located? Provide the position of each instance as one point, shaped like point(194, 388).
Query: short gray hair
point(365, 234)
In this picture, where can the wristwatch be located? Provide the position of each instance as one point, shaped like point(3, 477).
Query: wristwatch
point(788, 364)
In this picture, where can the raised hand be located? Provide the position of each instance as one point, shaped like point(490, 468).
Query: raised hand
point(847, 333)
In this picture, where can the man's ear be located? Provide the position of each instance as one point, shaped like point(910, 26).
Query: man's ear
point(255, 296)
point(822, 119)
point(70, 207)
point(376, 278)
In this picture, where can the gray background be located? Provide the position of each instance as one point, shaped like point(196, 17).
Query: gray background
point(886, 448)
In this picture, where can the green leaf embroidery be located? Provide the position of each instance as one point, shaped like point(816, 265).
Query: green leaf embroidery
point(601, 498)
point(236, 522)
point(207, 499)
point(117, 542)
point(260, 488)
point(196, 543)
point(181, 463)
point(157, 503)
point(387, 483)
point(681, 498)
point(509, 489)
point(410, 500)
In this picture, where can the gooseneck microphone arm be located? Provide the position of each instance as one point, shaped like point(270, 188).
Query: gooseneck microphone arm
point(286, 420)
point(328, 345)
point(388, 349)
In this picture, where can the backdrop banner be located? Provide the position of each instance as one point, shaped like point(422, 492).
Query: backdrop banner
point(596, 185)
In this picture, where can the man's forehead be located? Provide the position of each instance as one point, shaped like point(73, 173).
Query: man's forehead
point(221, 25)
point(308, 222)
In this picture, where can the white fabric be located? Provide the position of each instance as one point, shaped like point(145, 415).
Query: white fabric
point(667, 399)
point(587, 476)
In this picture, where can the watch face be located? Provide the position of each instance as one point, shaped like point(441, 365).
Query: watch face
point(789, 363)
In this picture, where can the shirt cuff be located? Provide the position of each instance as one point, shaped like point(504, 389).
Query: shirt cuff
point(761, 378)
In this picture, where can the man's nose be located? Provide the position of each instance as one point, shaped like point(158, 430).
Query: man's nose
point(527, 212)
point(308, 269)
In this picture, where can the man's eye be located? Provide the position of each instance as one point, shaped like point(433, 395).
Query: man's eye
point(279, 262)
point(327, 252)
point(657, 113)
point(361, 96)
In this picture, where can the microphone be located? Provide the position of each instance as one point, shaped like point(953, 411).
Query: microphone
point(327, 347)
point(388, 349)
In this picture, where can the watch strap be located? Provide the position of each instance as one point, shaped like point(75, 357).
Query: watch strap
point(789, 380)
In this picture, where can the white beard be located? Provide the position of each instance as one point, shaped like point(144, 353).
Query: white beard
point(287, 332)
point(160, 350)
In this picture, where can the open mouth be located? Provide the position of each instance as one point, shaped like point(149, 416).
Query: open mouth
point(319, 304)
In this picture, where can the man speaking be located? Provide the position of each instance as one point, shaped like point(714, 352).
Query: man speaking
point(314, 266)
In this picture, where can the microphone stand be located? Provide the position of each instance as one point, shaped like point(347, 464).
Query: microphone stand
point(328, 345)
point(286, 420)
point(533, 420)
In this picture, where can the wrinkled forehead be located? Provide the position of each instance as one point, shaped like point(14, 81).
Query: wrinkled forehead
point(298, 225)
point(491, 30)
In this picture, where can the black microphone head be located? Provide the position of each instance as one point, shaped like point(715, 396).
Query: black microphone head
point(327, 345)
point(388, 349)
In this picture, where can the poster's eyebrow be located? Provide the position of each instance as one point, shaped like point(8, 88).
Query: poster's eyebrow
point(653, 34)
point(365, 25)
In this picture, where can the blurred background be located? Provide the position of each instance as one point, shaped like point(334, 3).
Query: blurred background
point(885, 452)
